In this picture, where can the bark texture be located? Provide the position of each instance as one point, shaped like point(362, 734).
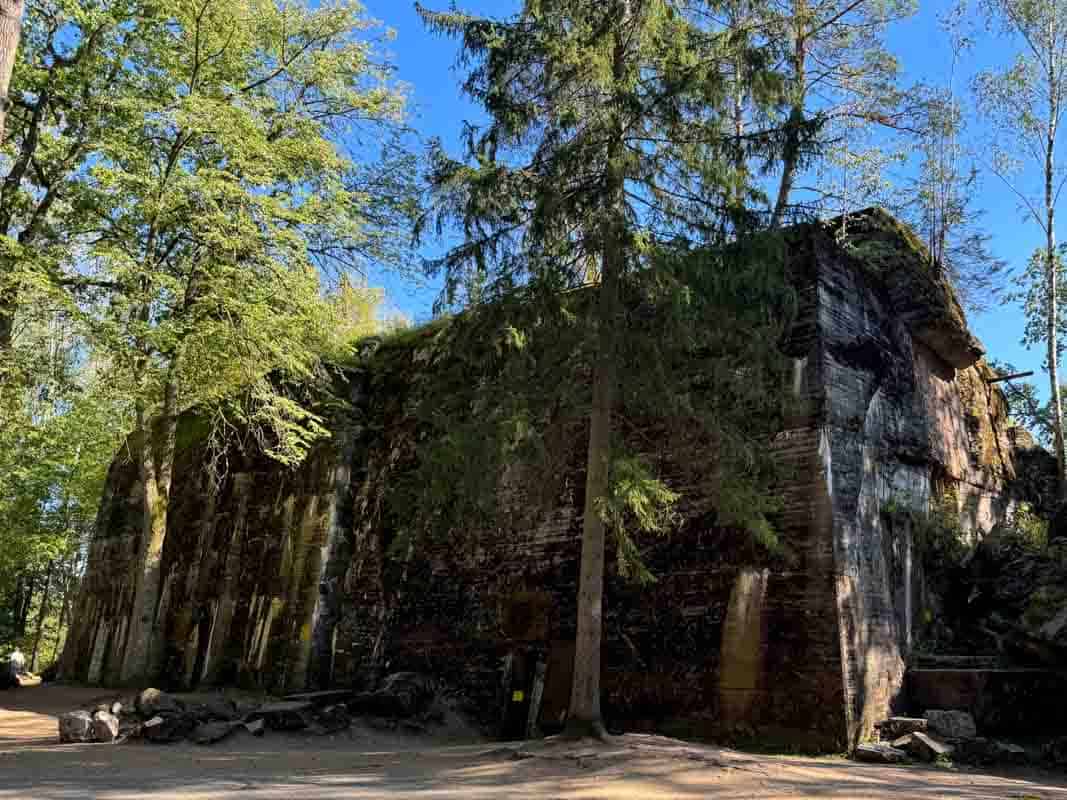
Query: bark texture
point(10, 32)
point(585, 715)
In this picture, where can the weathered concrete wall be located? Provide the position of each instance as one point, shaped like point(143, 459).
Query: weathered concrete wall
point(241, 571)
point(286, 579)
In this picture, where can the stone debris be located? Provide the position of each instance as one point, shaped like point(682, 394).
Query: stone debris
point(105, 726)
point(951, 724)
point(406, 701)
point(895, 727)
point(284, 716)
point(326, 698)
point(75, 726)
point(923, 747)
point(167, 728)
point(880, 753)
point(956, 738)
point(152, 702)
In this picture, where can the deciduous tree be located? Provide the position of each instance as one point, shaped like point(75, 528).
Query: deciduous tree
point(1024, 104)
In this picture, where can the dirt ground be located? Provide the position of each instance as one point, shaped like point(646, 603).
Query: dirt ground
point(370, 764)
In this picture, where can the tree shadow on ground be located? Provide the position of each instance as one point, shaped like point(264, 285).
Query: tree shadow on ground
point(293, 769)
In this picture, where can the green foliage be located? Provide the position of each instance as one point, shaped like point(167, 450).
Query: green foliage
point(610, 164)
point(59, 428)
point(1030, 527)
point(937, 533)
point(844, 83)
point(940, 200)
point(1031, 293)
point(641, 502)
point(1024, 529)
point(185, 182)
point(1025, 405)
point(495, 403)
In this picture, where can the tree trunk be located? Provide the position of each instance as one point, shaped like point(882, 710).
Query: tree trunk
point(584, 716)
point(10, 30)
point(155, 481)
point(22, 605)
point(1052, 278)
point(62, 617)
point(42, 612)
point(791, 151)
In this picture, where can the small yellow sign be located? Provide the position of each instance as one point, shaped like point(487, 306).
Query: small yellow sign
point(518, 696)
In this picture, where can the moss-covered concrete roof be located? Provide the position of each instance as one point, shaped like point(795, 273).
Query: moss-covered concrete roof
point(921, 294)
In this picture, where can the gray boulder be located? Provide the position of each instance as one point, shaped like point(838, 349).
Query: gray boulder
point(75, 726)
point(951, 724)
point(105, 726)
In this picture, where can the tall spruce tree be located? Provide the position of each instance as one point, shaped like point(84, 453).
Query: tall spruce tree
point(610, 146)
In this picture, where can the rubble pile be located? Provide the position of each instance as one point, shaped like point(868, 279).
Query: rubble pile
point(945, 735)
point(406, 701)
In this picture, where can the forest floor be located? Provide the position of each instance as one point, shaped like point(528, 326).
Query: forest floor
point(371, 764)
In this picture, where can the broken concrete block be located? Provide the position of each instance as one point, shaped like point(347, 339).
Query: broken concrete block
point(166, 728)
point(152, 702)
point(105, 726)
point(880, 753)
point(951, 724)
point(256, 727)
point(75, 726)
point(292, 716)
point(895, 727)
point(924, 747)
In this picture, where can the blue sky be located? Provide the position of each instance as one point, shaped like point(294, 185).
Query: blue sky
point(426, 63)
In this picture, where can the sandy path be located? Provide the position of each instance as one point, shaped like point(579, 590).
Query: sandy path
point(366, 765)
